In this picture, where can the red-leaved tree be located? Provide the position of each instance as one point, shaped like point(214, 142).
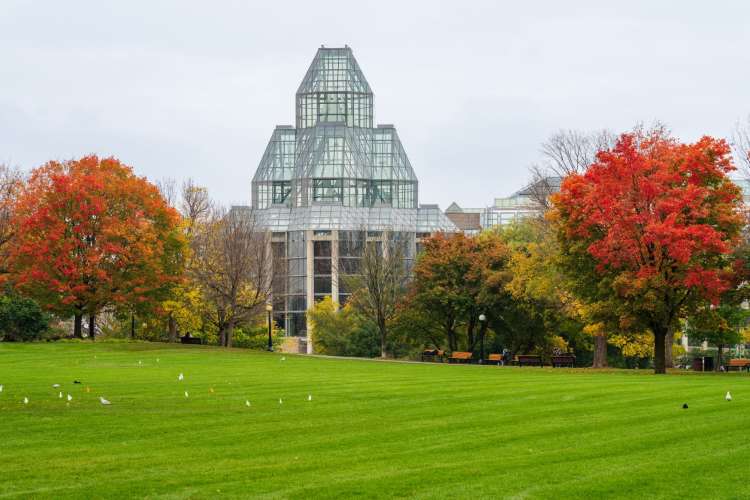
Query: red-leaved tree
point(91, 235)
point(649, 229)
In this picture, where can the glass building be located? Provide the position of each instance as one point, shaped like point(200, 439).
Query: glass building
point(329, 184)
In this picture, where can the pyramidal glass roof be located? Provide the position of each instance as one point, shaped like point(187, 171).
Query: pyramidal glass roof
point(334, 156)
point(334, 70)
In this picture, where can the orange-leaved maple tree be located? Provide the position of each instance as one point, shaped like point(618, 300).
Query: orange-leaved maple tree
point(649, 229)
point(93, 235)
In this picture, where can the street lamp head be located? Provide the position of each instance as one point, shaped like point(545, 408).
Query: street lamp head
point(482, 317)
point(269, 307)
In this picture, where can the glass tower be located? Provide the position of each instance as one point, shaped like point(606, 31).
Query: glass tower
point(331, 182)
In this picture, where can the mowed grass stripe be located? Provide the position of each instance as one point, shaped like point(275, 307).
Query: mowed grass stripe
point(373, 429)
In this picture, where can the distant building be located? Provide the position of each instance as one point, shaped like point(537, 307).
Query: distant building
point(466, 221)
point(521, 204)
point(330, 181)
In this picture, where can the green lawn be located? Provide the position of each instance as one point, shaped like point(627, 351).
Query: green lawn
point(372, 429)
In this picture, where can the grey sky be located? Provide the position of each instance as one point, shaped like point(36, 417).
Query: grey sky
point(193, 89)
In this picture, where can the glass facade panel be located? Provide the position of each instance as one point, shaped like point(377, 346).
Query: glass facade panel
point(322, 266)
point(322, 285)
point(322, 248)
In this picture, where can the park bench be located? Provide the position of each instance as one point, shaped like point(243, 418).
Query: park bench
point(460, 357)
point(496, 359)
point(739, 364)
point(188, 339)
point(561, 360)
point(432, 354)
point(529, 359)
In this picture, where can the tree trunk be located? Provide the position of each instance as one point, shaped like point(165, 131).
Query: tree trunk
point(470, 341)
point(668, 343)
point(92, 326)
point(383, 336)
point(222, 336)
point(172, 328)
point(600, 351)
point(660, 333)
point(718, 357)
point(77, 326)
point(452, 341)
point(228, 335)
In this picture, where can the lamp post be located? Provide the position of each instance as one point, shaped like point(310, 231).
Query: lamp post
point(269, 309)
point(482, 319)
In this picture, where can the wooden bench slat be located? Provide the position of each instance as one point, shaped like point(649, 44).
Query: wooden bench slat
point(460, 356)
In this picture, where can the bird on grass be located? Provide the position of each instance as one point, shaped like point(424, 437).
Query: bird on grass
point(60, 395)
point(55, 386)
point(309, 397)
point(76, 381)
point(685, 406)
point(247, 403)
point(104, 401)
point(280, 401)
point(1, 388)
point(140, 362)
point(186, 394)
point(25, 401)
point(211, 390)
point(70, 398)
point(283, 358)
point(728, 397)
point(180, 377)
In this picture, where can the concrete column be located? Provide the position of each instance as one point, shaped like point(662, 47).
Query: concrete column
point(310, 293)
point(335, 266)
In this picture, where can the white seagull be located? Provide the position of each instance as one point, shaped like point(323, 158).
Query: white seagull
point(1, 388)
point(309, 397)
point(55, 385)
point(25, 401)
point(247, 403)
point(70, 398)
point(60, 395)
point(728, 397)
point(186, 394)
point(280, 401)
point(180, 377)
point(283, 358)
point(104, 401)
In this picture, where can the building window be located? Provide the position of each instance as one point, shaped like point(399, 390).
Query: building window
point(281, 191)
point(328, 190)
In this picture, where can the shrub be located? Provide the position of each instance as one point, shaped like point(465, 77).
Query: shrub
point(21, 319)
point(339, 331)
point(256, 337)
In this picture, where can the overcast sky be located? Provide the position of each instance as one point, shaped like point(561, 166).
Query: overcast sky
point(194, 88)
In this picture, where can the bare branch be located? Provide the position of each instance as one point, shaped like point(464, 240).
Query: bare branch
point(232, 262)
point(741, 145)
point(381, 278)
point(168, 189)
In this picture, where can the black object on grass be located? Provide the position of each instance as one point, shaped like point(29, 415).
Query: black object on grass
point(684, 407)
point(76, 381)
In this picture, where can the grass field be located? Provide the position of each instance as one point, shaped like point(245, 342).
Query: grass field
point(372, 428)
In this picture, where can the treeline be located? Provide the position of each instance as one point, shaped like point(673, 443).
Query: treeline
point(89, 241)
point(644, 241)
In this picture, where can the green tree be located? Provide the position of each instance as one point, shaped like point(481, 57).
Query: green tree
point(21, 318)
point(457, 278)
